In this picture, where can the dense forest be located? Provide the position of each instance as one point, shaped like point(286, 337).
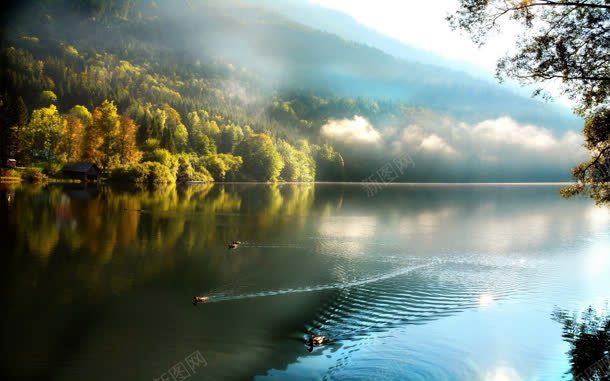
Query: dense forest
point(165, 91)
point(141, 120)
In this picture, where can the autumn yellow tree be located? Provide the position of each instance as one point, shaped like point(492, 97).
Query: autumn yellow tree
point(71, 144)
point(82, 113)
point(74, 137)
point(94, 139)
point(127, 147)
point(103, 136)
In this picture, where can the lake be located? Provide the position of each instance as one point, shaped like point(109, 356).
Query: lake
point(418, 282)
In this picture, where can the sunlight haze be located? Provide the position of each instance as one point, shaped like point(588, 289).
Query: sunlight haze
point(424, 28)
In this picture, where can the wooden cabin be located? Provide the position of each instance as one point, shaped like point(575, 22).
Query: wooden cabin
point(86, 172)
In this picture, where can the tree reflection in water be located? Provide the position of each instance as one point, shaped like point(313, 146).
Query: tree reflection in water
point(589, 339)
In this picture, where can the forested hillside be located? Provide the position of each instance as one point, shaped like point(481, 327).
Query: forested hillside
point(201, 90)
point(105, 90)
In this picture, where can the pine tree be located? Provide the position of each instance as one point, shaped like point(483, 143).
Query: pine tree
point(16, 130)
point(167, 140)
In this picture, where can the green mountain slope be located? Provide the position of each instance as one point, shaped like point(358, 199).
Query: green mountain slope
point(203, 78)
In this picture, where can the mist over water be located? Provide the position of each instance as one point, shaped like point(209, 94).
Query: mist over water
point(418, 282)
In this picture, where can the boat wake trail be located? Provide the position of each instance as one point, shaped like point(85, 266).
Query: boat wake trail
point(222, 297)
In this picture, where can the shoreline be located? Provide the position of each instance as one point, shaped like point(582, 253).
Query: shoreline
point(67, 181)
point(398, 184)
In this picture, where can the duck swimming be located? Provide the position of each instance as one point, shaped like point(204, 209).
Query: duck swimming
point(199, 299)
point(316, 340)
point(233, 245)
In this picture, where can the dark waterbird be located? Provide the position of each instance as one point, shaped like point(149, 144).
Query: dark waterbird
point(199, 299)
point(316, 340)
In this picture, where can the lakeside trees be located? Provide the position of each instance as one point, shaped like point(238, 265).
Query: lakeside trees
point(109, 139)
point(144, 115)
point(262, 161)
point(41, 136)
point(564, 42)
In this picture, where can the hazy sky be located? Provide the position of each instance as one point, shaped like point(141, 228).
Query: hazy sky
point(489, 143)
point(422, 24)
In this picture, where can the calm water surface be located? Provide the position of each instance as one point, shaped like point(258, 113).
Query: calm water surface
point(416, 282)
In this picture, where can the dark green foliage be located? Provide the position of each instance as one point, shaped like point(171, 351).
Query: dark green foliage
point(53, 170)
point(203, 145)
point(593, 176)
point(589, 339)
point(329, 164)
point(22, 115)
point(167, 141)
point(230, 137)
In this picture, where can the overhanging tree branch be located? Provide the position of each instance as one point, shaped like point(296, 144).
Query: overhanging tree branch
point(561, 40)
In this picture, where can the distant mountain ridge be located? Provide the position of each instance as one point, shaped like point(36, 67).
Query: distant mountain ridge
point(288, 55)
point(312, 59)
point(344, 26)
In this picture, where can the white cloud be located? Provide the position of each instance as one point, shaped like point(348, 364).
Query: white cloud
point(507, 131)
point(492, 142)
point(435, 143)
point(414, 137)
point(352, 131)
point(501, 144)
point(505, 139)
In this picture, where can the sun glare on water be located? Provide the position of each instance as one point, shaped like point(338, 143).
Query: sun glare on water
point(503, 374)
point(485, 300)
